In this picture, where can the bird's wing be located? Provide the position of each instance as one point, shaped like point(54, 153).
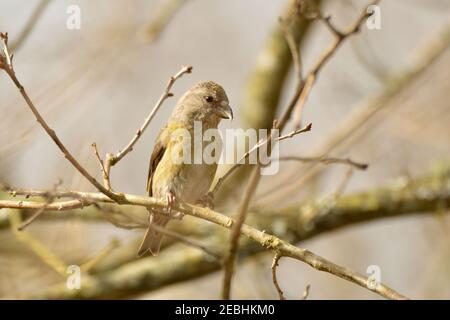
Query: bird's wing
point(157, 154)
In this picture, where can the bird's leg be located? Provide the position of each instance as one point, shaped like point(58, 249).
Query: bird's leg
point(171, 199)
point(207, 200)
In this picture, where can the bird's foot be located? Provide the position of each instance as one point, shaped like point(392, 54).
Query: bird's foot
point(207, 201)
point(171, 199)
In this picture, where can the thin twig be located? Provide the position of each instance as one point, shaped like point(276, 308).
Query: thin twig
point(340, 188)
point(293, 47)
point(188, 241)
point(33, 217)
point(138, 224)
point(50, 197)
point(312, 75)
point(246, 155)
point(298, 113)
point(91, 263)
point(6, 64)
point(113, 159)
point(105, 173)
point(289, 135)
point(152, 30)
point(254, 179)
point(325, 160)
point(166, 94)
point(230, 256)
point(275, 260)
point(29, 26)
point(264, 239)
point(107, 168)
point(305, 293)
point(39, 249)
point(302, 91)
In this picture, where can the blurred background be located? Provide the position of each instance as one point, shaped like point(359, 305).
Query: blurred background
point(383, 99)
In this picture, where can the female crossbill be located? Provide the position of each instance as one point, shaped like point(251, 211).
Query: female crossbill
point(183, 181)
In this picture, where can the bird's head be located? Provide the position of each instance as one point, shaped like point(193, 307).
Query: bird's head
point(206, 101)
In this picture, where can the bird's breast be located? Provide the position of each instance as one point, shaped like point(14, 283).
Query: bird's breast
point(188, 179)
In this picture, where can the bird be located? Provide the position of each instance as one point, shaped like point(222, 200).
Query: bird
point(183, 181)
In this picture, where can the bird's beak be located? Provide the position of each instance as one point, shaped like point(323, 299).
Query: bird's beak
point(225, 111)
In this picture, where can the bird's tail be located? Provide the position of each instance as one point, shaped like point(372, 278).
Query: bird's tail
point(152, 238)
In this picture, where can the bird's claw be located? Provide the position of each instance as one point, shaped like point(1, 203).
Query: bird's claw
point(207, 200)
point(171, 199)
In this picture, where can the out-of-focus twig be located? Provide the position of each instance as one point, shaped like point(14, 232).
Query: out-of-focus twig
point(293, 48)
point(305, 293)
point(91, 263)
point(230, 256)
point(356, 124)
point(155, 27)
point(266, 83)
point(325, 160)
point(29, 26)
point(127, 221)
point(39, 249)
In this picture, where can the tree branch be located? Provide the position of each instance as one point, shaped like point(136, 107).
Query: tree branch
point(302, 91)
point(7, 65)
point(296, 223)
point(275, 260)
point(422, 195)
point(166, 94)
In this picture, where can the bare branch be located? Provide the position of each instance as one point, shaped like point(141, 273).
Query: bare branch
point(242, 160)
point(305, 292)
point(355, 125)
point(293, 47)
point(254, 179)
point(39, 249)
point(133, 223)
point(302, 100)
point(50, 197)
point(325, 160)
point(6, 64)
point(29, 26)
point(275, 260)
point(236, 232)
point(400, 198)
point(105, 173)
point(166, 94)
point(152, 30)
point(110, 159)
point(340, 188)
point(91, 263)
point(302, 91)
point(264, 239)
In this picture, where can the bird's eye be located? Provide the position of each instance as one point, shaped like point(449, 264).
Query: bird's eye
point(209, 99)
